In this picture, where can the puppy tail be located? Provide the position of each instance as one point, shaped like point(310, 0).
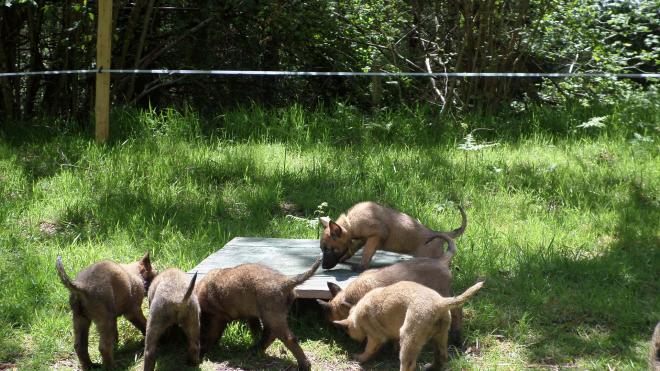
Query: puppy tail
point(66, 281)
point(459, 300)
point(298, 279)
point(449, 236)
point(451, 245)
point(460, 230)
point(191, 287)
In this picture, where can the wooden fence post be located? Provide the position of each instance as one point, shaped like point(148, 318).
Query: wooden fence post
point(103, 52)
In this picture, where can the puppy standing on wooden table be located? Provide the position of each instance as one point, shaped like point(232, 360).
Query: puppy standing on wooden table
point(406, 311)
point(377, 227)
point(101, 293)
point(254, 292)
point(172, 301)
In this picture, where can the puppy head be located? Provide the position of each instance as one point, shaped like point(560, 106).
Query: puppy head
point(355, 332)
point(335, 243)
point(337, 308)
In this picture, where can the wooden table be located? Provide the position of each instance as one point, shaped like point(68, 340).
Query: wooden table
point(291, 257)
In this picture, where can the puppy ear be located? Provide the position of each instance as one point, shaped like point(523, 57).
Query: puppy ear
point(324, 304)
point(335, 229)
point(343, 324)
point(334, 289)
point(145, 262)
point(324, 220)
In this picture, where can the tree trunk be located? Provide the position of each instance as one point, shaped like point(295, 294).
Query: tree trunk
point(9, 26)
point(56, 96)
point(35, 23)
point(140, 47)
point(131, 28)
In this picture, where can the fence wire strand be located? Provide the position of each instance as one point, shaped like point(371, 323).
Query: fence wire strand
point(337, 74)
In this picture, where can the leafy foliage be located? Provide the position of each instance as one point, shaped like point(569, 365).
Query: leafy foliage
point(316, 35)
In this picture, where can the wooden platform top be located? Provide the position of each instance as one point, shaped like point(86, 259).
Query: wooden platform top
point(291, 257)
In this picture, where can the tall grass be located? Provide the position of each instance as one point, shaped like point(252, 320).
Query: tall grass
point(564, 219)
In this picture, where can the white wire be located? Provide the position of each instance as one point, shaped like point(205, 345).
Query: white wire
point(327, 74)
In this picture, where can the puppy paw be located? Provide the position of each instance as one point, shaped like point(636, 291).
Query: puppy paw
point(361, 358)
point(432, 367)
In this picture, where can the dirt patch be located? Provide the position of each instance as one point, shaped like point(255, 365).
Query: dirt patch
point(66, 364)
point(290, 208)
point(48, 228)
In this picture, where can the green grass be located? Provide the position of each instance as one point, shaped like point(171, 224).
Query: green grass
point(564, 221)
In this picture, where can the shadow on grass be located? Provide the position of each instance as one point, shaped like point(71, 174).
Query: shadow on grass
point(565, 305)
point(237, 353)
point(46, 158)
point(126, 355)
point(247, 359)
point(309, 323)
point(171, 353)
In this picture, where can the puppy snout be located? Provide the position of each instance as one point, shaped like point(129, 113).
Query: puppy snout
point(329, 259)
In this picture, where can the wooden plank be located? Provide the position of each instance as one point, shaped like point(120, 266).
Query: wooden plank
point(103, 53)
point(291, 257)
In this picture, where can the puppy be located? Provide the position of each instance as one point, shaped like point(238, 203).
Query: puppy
point(172, 301)
point(654, 357)
point(406, 311)
point(101, 293)
point(430, 272)
point(376, 227)
point(254, 292)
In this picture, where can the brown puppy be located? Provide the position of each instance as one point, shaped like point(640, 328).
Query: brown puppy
point(254, 292)
point(406, 311)
point(430, 272)
point(377, 227)
point(101, 293)
point(654, 357)
point(172, 302)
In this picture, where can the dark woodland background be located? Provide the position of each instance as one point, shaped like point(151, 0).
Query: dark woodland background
point(321, 35)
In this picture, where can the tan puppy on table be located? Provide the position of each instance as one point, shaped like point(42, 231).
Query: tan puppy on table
point(406, 311)
point(375, 227)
